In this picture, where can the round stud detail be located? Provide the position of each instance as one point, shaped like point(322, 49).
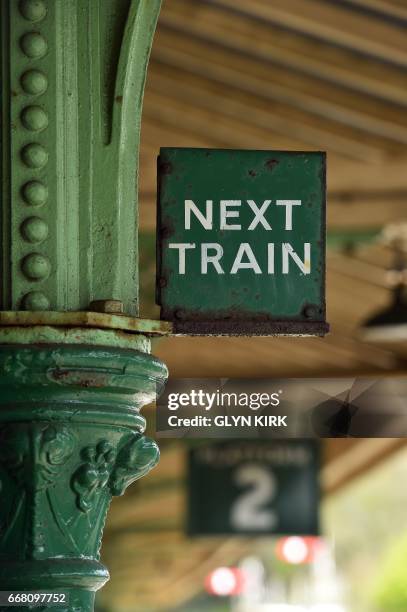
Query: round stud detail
point(34, 155)
point(35, 193)
point(34, 230)
point(34, 82)
point(36, 266)
point(33, 10)
point(35, 300)
point(33, 45)
point(34, 118)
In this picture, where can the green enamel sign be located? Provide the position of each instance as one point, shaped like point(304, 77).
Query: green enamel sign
point(254, 487)
point(241, 241)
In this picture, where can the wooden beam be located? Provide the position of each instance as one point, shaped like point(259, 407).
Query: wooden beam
point(230, 70)
point(250, 111)
point(389, 175)
point(270, 44)
point(185, 578)
point(362, 211)
point(330, 23)
point(349, 265)
point(148, 511)
point(398, 12)
point(187, 359)
point(363, 456)
point(226, 130)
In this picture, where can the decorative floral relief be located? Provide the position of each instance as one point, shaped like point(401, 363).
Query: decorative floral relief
point(93, 475)
point(33, 456)
point(48, 448)
point(135, 459)
point(103, 466)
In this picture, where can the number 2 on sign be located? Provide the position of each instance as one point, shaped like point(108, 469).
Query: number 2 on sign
point(248, 512)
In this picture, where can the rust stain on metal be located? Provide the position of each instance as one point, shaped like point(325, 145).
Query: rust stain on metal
point(166, 168)
point(101, 320)
point(235, 322)
point(107, 306)
point(271, 164)
point(247, 327)
point(81, 379)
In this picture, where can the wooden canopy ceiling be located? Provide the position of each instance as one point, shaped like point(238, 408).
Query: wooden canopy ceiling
point(300, 75)
point(270, 74)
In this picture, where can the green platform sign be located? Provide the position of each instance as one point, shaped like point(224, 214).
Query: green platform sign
point(254, 487)
point(241, 241)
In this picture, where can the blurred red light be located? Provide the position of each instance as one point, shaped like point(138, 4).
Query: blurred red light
point(225, 581)
point(297, 550)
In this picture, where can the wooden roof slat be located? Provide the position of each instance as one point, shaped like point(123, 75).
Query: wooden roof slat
point(330, 102)
point(376, 253)
point(282, 360)
point(180, 583)
point(388, 175)
point(272, 45)
point(363, 213)
point(336, 346)
point(328, 22)
point(150, 510)
point(359, 270)
point(250, 111)
point(362, 456)
point(228, 131)
point(396, 10)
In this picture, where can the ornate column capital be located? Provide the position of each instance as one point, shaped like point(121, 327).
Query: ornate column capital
point(71, 437)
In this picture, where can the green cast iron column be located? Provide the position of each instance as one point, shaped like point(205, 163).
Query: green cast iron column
point(75, 363)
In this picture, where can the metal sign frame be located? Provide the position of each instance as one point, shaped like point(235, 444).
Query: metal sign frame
point(246, 303)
